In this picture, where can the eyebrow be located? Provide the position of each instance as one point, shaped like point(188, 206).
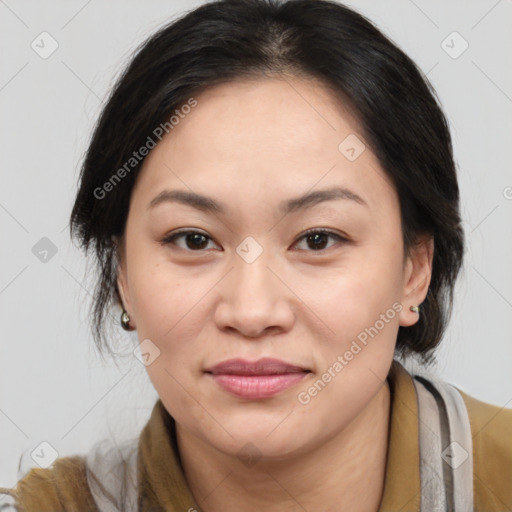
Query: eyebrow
point(208, 204)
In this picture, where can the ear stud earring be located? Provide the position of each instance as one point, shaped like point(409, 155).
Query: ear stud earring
point(125, 321)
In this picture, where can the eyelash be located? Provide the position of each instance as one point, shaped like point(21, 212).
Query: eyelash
point(170, 239)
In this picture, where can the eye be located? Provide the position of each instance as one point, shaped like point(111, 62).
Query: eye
point(194, 240)
point(317, 238)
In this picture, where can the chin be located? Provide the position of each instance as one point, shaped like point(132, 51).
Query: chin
point(271, 437)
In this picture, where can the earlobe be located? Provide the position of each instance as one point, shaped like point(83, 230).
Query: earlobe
point(126, 321)
point(417, 277)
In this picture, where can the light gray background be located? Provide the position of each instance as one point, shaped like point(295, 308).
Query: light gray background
point(53, 386)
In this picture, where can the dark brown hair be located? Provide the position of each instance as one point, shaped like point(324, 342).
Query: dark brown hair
point(228, 39)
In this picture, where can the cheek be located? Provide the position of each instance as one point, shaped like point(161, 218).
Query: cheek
point(173, 310)
point(354, 296)
point(171, 314)
point(362, 308)
point(163, 295)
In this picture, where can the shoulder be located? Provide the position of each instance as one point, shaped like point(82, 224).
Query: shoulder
point(489, 423)
point(491, 431)
point(105, 478)
point(63, 486)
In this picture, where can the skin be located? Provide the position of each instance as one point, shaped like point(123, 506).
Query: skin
point(251, 145)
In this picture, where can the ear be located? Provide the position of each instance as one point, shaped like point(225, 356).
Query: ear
point(417, 276)
point(121, 275)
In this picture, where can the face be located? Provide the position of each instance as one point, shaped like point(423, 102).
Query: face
point(255, 272)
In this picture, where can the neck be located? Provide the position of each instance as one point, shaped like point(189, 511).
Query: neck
point(346, 471)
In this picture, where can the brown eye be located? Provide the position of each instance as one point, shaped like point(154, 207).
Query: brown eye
point(317, 240)
point(194, 240)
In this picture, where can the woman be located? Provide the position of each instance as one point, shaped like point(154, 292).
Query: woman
point(271, 197)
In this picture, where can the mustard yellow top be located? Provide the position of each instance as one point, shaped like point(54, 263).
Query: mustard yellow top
point(162, 484)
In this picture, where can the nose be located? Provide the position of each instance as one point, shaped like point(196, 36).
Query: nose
point(255, 300)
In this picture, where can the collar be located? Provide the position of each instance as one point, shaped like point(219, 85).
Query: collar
point(402, 489)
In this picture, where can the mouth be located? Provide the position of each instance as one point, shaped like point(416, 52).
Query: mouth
point(256, 380)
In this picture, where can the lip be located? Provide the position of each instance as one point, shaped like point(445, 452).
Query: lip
point(255, 380)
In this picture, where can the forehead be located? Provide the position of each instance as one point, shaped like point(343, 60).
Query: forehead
point(282, 135)
point(295, 117)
